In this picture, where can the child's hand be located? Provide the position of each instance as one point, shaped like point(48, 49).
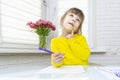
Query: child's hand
point(70, 35)
point(58, 57)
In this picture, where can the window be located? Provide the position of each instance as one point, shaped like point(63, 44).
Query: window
point(14, 14)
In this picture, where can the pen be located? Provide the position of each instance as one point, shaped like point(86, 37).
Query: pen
point(117, 74)
point(48, 51)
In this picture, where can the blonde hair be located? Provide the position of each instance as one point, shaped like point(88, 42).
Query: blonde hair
point(76, 11)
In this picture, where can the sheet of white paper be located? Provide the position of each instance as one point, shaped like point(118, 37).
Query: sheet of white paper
point(64, 69)
point(63, 73)
point(109, 72)
point(12, 78)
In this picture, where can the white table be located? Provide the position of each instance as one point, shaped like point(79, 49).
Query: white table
point(63, 73)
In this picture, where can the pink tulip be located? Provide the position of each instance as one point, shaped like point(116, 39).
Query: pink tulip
point(43, 23)
point(53, 27)
point(38, 23)
point(29, 23)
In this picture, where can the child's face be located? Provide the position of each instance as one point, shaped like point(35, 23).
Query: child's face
point(71, 22)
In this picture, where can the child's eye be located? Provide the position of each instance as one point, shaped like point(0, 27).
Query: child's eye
point(78, 20)
point(71, 15)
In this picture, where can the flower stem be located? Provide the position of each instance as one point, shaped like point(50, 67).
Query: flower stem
point(42, 41)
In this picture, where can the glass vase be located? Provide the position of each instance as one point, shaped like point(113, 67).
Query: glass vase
point(42, 41)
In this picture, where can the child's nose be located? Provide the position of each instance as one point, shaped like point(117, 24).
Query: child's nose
point(73, 19)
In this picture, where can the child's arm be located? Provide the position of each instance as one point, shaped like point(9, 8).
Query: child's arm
point(81, 49)
point(57, 57)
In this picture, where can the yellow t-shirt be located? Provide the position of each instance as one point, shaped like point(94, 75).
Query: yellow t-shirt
point(75, 50)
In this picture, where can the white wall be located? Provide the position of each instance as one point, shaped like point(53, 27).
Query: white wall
point(108, 25)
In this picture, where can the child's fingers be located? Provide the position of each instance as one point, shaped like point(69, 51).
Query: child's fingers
point(59, 56)
point(59, 60)
point(56, 54)
point(72, 32)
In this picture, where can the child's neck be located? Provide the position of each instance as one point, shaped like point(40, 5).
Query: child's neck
point(64, 33)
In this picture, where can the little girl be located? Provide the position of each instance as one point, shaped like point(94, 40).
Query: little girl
point(70, 48)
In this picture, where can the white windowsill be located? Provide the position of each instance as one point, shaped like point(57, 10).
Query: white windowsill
point(37, 51)
point(20, 51)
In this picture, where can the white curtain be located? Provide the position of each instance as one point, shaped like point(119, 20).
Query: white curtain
point(14, 14)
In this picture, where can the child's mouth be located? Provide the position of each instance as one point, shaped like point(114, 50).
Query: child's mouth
point(71, 24)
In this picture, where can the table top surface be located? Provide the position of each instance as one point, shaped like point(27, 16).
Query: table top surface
point(63, 73)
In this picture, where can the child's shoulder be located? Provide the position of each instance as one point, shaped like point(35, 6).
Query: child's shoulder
point(56, 39)
point(79, 36)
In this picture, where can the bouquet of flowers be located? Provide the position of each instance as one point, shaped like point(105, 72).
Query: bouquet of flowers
point(42, 28)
